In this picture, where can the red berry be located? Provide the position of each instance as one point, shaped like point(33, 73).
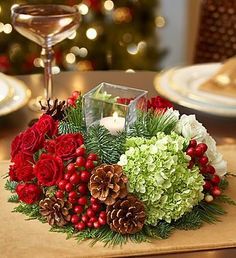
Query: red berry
point(193, 143)
point(207, 185)
point(102, 221)
point(72, 200)
point(85, 176)
point(59, 194)
point(92, 156)
point(82, 200)
point(203, 160)
point(89, 164)
point(62, 184)
point(69, 187)
point(203, 146)
point(90, 213)
point(216, 191)
point(96, 224)
point(80, 161)
point(83, 189)
point(89, 224)
point(73, 195)
point(67, 176)
point(80, 151)
point(93, 219)
point(96, 207)
point(93, 200)
point(215, 179)
point(203, 169)
point(85, 218)
point(71, 101)
point(210, 169)
point(191, 152)
point(78, 209)
point(75, 179)
point(199, 151)
point(80, 226)
point(74, 219)
point(103, 215)
point(71, 167)
point(75, 94)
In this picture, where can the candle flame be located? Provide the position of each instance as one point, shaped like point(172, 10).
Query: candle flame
point(115, 116)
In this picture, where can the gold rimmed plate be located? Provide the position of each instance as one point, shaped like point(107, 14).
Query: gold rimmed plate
point(20, 97)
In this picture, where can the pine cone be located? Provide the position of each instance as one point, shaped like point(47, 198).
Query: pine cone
point(108, 183)
point(56, 211)
point(126, 216)
point(54, 108)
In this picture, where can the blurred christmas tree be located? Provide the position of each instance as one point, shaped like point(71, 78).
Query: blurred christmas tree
point(116, 35)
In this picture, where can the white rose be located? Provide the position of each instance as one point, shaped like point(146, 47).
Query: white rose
point(190, 128)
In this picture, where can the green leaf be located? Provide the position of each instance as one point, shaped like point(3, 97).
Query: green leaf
point(189, 221)
point(74, 119)
point(107, 146)
point(68, 230)
point(11, 185)
point(226, 199)
point(223, 183)
point(149, 123)
point(13, 198)
point(37, 155)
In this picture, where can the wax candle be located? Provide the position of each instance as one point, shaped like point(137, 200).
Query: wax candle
point(113, 123)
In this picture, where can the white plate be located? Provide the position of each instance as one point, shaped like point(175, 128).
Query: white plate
point(181, 85)
point(5, 90)
point(187, 81)
point(19, 99)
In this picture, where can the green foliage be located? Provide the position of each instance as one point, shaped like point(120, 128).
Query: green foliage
point(30, 210)
point(161, 230)
point(37, 154)
point(226, 199)
point(223, 183)
point(13, 198)
point(189, 221)
point(68, 230)
point(107, 146)
point(74, 119)
point(209, 212)
point(149, 123)
point(10, 185)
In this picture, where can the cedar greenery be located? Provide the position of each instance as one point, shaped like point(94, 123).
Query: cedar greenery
point(74, 119)
point(13, 198)
point(10, 185)
point(108, 147)
point(149, 123)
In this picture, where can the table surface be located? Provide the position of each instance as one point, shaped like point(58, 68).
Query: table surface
point(222, 129)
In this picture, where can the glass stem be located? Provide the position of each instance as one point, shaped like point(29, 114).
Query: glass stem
point(47, 56)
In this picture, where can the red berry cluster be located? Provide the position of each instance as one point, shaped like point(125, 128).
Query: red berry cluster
point(87, 211)
point(72, 99)
point(198, 157)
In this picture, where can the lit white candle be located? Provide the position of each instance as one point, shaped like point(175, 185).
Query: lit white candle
point(113, 123)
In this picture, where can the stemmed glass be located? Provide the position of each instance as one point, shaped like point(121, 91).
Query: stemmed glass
point(46, 25)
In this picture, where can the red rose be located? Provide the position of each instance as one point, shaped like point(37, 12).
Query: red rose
point(67, 144)
point(32, 140)
point(16, 145)
point(49, 170)
point(49, 146)
point(159, 103)
point(28, 193)
point(22, 169)
point(47, 125)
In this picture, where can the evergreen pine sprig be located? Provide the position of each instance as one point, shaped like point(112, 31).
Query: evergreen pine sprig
point(226, 199)
point(10, 185)
point(30, 210)
point(107, 146)
point(189, 221)
point(149, 123)
point(74, 119)
point(13, 198)
point(68, 230)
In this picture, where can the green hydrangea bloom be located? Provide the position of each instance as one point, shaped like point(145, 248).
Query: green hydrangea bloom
point(158, 175)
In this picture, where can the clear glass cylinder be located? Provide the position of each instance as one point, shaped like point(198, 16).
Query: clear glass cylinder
point(113, 106)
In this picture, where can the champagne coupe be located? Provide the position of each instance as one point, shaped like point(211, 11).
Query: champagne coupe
point(46, 25)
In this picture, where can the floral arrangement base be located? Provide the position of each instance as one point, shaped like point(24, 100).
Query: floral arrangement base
point(27, 233)
point(162, 172)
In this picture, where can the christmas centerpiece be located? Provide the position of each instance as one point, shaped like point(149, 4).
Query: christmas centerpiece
point(113, 166)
